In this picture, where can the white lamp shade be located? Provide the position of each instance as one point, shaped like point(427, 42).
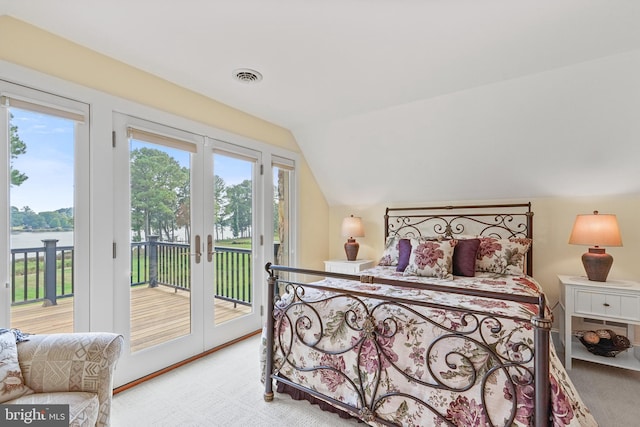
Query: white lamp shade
point(352, 227)
point(596, 230)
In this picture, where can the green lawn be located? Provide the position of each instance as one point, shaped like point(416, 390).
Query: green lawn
point(235, 243)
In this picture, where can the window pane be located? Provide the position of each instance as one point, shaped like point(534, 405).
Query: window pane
point(233, 202)
point(282, 217)
point(160, 178)
point(42, 221)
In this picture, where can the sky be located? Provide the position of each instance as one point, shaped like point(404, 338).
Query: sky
point(48, 162)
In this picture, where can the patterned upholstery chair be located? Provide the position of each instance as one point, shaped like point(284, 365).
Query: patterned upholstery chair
point(72, 368)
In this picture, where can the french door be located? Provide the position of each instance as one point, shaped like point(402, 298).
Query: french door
point(188, 240)
point(45, 244)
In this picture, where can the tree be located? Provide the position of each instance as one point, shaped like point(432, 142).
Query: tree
point(219, 195)
point(66, 218)
point(18, 147)
point(159, 185)
point(29, 219)
point(32, 220)
point(238, 208)
point(17, 219)
point(50, 217)
point(183, 214)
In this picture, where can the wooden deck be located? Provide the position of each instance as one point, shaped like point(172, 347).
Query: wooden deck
point(158, 314)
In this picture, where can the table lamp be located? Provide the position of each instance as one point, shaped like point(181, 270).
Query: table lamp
point(352, 227)
point(596, 230)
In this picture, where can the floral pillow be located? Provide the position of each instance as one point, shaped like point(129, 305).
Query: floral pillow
point(391, 251)
point(503, 256)
point(431, 258)
point(12, 383)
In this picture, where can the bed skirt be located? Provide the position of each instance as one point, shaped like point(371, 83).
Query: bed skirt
point(297, 394)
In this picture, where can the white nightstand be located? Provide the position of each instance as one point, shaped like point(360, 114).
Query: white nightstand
point(347, 267)
point(613, 301)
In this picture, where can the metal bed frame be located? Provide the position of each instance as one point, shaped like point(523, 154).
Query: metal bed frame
point(498, 220)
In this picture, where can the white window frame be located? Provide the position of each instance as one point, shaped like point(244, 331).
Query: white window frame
point(27, 98)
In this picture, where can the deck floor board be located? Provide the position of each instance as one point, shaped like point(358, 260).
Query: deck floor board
point(159, 314)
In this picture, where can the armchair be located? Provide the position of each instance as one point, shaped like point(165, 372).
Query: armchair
point(71, 368)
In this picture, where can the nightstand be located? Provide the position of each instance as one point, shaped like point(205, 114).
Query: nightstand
point(611, 301)
point(347, 267)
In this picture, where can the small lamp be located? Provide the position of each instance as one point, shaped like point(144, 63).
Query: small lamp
point(597, 230)
point(352, 227)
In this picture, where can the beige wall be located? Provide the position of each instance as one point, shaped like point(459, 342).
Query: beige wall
point(552, 222)
point(39, 50)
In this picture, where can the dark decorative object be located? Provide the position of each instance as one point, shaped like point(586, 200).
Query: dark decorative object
point(596, 230)
point(604, 342)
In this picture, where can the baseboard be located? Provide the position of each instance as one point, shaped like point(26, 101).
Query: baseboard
point(182, 363)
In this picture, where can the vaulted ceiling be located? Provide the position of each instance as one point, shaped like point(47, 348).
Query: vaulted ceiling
point(402, 100)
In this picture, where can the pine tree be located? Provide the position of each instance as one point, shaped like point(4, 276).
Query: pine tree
point(18, 147)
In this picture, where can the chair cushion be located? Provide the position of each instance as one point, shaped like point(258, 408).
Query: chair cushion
point(83, 406)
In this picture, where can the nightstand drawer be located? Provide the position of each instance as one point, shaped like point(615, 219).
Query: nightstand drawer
point(606, 304)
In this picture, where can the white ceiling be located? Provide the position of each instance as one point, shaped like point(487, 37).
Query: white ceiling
point(386, 94)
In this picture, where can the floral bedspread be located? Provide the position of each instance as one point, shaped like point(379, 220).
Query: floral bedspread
point(420, 366)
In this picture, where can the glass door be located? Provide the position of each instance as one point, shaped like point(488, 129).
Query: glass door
point(45, 139)
point(159, 262)
point(236, 243)
point(162, 248)
point(188, 243)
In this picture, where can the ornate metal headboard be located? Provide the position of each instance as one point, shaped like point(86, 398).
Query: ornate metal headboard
point(499, 221)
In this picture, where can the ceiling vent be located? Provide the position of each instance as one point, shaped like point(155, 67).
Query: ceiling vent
point(247, 75)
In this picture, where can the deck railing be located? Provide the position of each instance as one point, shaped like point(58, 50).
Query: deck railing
point(46, 274)
point(41, 274)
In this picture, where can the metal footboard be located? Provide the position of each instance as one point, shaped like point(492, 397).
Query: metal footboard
point(372, 326)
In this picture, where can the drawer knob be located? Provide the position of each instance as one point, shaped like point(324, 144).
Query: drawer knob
point(605, 304)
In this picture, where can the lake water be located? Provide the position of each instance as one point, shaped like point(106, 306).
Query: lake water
point(21, 240)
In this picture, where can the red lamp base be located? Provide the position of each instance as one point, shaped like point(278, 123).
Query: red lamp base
point(597, 264)
point(351, 249)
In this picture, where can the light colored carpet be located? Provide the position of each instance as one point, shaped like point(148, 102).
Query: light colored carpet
point(611, 394)
point(223, 389)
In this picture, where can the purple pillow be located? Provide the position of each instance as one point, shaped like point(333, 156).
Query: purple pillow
point(464, 257)
point(404, 252)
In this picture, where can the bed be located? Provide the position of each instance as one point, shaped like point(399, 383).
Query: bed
point(449, 329)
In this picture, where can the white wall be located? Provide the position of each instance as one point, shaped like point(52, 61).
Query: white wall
point(569, 132)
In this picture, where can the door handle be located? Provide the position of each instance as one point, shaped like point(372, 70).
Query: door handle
point(198, 252)
point(210, 250)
